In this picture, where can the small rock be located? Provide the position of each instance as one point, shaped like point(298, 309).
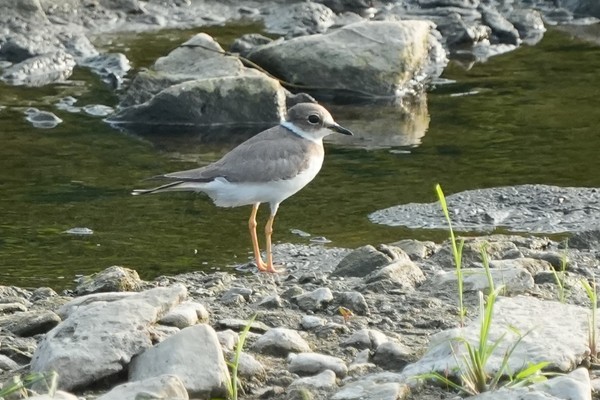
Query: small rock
point(315, 300)
point(273, 301)
point(354, 301)
point(416, 249)
point(185, 314)
point(18, 349)
point(244, 44)
point(249, 367)
point(367, 259)
point(98, 110)
point(29, 323)
point(291, 292)
point(280, 342)
point(228, 339)
point(392, 356)
point(112, 279)
point(365, 339)
point(315, 363)
point(380, 386)
point(6, 364)
point(234, 293)
point(310, 322)
point(42, 119)
point(324, 380)
point(515, 280)
point(403, 274)
point(531, 265)
point(8, 308)
point(159, 387)
point(239, 324)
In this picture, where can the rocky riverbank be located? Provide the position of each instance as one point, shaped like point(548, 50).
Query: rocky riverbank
point(337, 323)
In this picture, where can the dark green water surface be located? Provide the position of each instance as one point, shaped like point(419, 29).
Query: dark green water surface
point(534, 117)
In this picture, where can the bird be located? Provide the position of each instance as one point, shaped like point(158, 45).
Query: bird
point(267, 168)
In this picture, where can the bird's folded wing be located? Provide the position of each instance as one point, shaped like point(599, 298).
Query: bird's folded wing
point(265, 157)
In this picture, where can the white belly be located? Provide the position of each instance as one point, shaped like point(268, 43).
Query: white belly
point(232, 194)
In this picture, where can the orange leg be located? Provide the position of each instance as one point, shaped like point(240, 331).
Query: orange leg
point(268, 233)
point(252, 226)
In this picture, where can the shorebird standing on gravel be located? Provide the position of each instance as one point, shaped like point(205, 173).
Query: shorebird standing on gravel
point(267, 168)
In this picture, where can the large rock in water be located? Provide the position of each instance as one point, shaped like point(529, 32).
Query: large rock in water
point(197, 84)
point(364, 59)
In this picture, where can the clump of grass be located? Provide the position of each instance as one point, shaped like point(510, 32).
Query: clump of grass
point(19, 385)
point(592, 330)
point(457, 249)
point(233, 383)
point(472, 366)
point(560, 276)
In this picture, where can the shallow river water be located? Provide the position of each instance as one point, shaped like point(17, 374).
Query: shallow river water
point(529, 116)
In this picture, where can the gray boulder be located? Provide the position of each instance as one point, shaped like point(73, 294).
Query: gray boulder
point(99, 340)
point(365, 59)
point(199, 84)
point(194, 355)
point(229, 101)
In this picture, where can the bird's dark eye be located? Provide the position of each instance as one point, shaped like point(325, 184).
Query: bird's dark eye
point(314, 119)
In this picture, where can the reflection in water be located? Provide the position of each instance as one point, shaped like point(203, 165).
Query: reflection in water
point(379, 127)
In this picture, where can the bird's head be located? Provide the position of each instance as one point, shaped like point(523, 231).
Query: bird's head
point(312, 121)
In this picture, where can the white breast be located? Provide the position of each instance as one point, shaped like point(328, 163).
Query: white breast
point(234, 194)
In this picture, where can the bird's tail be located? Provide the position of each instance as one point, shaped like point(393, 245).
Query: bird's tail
point(163, 188)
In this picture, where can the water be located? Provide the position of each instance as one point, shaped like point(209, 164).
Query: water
point(533, 118)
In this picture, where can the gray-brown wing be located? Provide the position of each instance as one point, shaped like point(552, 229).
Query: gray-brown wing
point(271, 155)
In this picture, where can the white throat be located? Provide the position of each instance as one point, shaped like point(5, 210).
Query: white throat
point(300, 132)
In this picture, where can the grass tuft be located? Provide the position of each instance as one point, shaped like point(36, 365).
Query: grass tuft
point(592, 327)
point(19, 385)
point(233, 384)
point(457, 249)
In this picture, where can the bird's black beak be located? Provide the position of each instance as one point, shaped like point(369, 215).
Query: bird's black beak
point(340, 129)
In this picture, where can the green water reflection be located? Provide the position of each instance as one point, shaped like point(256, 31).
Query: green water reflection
point(534, 119)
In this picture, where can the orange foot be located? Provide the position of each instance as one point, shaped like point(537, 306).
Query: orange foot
point(262, 267)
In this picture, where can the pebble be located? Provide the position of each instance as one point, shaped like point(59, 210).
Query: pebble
point(279, 342)
point(315, 363)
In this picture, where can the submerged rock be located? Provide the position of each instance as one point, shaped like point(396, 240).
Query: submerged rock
point(525, 208)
